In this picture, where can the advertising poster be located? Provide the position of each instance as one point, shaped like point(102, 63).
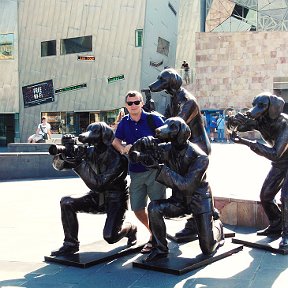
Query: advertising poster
point(6, 46)
point(38, 93)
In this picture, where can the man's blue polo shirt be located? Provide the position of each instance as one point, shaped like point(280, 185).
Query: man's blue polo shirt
point(129, 131)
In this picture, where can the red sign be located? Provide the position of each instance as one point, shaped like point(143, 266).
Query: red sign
point(86, 58)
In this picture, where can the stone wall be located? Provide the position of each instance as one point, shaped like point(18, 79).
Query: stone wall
point(232, 68)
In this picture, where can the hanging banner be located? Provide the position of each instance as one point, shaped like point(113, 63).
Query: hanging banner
point(39, 93)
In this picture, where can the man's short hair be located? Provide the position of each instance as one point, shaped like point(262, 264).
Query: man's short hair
point(134, 93)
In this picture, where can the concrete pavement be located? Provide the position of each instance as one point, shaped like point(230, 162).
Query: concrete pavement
point(30, 227)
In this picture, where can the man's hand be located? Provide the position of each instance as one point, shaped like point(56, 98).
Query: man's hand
point(126, 149)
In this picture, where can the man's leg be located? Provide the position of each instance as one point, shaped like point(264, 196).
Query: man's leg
point(144, 185)
point(142, 216)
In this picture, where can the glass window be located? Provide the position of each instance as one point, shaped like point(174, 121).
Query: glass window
point(48, 48)
point(76, 45)
point(163, 46)
point(139, 37)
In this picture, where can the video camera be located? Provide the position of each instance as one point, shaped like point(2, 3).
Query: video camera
point(233, 122)
point(69, 148)
point(146, 155)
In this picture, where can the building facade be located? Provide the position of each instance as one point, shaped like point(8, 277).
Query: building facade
point(242, 53)
point(74, 60)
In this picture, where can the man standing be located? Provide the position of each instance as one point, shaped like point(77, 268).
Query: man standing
point(186, 68)
point(220, 128)
point(133, 126)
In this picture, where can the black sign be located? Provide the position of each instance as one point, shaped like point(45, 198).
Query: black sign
point(38, 93)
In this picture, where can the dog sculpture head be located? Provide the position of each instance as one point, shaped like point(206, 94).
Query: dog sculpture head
point(97, 133)
point(266, 104)
point(174, 130)
point(168, 80)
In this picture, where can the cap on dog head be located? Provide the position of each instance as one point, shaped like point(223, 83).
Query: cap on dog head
point(174, 130)
point(97, 133)
point(168, 80)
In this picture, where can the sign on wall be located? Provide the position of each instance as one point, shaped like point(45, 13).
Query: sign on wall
point(6, 46)
point(86, 58)
point(39, 93)
point(115, 78)
point(71, 88)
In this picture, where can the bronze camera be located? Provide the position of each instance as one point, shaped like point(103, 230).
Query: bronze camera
point(68, 147)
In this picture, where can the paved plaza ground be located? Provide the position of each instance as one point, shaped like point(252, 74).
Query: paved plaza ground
point(30, 227)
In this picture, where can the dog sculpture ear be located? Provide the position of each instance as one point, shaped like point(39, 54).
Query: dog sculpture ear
point(175, 81)
point(107, 134)
point(184, 133)
point(276, 106)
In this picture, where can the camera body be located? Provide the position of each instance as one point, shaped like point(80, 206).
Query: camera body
point(68, 148)
point(234, 122)
point(146, 154)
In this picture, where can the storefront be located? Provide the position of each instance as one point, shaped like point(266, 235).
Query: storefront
point(8, 128)
point(77, 122)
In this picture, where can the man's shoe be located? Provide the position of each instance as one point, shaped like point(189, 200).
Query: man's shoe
point(270, 230)
point(155, 255)
point(65, 250)
point(132, 238)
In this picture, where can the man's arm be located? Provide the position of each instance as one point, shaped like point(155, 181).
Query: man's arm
point(49, 131)
point(123, 149)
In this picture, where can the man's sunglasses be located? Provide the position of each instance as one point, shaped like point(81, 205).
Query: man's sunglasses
point(130, 103)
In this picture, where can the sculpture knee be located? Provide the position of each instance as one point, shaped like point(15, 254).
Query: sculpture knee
point(110, 238)
point(208, 247)
point(66, 201)
point(154, 209)
point(111, 235)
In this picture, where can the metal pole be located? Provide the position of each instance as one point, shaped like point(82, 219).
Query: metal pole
point(202, 15)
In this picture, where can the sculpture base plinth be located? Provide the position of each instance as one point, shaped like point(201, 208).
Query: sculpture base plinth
point(95, 253)
point(186, 257)
point(270, 244)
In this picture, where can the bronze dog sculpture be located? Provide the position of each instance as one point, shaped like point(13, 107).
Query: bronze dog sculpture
point(266, 117)
point(104, 171)
point(181, 166)
point(183, 104)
